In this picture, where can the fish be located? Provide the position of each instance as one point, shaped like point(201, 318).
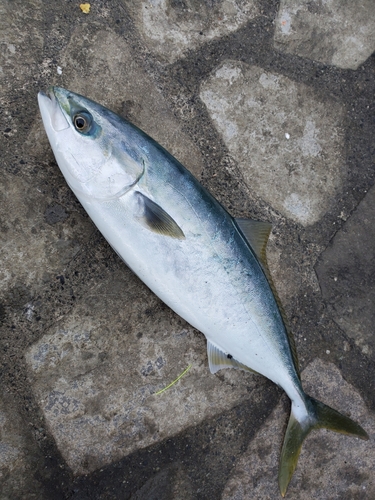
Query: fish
point(207, 266)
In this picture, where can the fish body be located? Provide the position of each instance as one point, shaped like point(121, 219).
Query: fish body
point(208, 267)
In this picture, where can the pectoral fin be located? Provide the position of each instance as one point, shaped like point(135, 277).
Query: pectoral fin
point(156, 219)
point(218, 360)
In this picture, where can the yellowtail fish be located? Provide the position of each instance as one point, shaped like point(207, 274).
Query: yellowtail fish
point(207, 266)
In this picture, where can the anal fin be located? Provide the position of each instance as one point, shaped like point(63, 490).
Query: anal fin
point(217, 360)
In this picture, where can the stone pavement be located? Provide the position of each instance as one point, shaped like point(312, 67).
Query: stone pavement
point(271, 105)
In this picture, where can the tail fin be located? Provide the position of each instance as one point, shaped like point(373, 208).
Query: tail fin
point(319, 416)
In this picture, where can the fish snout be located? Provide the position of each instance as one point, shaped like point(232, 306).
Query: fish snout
point(51, 112)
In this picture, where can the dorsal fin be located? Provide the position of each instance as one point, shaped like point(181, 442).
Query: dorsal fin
point(256, 234)
point(217, 360)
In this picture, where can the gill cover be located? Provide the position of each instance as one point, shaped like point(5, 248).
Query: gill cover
point(90, 145)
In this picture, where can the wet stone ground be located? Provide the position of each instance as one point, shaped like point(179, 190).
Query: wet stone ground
point(271, 106)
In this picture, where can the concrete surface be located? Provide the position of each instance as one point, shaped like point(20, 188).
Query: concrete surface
point(172, 27)
point(271, 105)
point(330, 31)
point(281, 135)
point(95, 377)
point(324, 472)
point(347, 275)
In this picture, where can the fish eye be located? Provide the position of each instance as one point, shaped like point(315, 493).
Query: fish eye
point(82, 122)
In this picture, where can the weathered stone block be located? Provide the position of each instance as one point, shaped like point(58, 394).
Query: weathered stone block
point(331, 32)
point(346, 273)
point(331, 465)
point(287, 141)
point(171, 27)
point(96, 372)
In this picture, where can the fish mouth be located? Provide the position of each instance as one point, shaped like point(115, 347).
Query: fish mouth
point(49, 94)
point(51, 111)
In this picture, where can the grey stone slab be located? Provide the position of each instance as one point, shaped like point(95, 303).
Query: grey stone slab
point(18, 455)
point(125, 88)
point(288, 142)
point(331, 31)
point(95, 374)
point(331, 465)
point(34, 246)
point(171, 482)
point(289, 275)
point(21, 42)
point(346, 273)
point(98, 344)
point(171, 27)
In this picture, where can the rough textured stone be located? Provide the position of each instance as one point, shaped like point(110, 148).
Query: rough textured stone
point(30, 253)
point(287, 141)
point(171, 27)
point(18, 455)
point(331, 465)
point(104, 341)
point(346, 273)
point(96, 372)
point(169, 483)
point(331, 32)
point(21, 42)
point(287, 275)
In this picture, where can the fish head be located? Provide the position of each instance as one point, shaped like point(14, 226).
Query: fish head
point(92, 145)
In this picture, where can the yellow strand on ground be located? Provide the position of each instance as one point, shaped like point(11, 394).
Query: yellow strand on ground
point(177, 379)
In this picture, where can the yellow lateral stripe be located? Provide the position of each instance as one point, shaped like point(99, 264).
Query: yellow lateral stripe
point(177, 379)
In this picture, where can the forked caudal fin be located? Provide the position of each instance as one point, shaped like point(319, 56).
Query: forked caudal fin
point(319, 416)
